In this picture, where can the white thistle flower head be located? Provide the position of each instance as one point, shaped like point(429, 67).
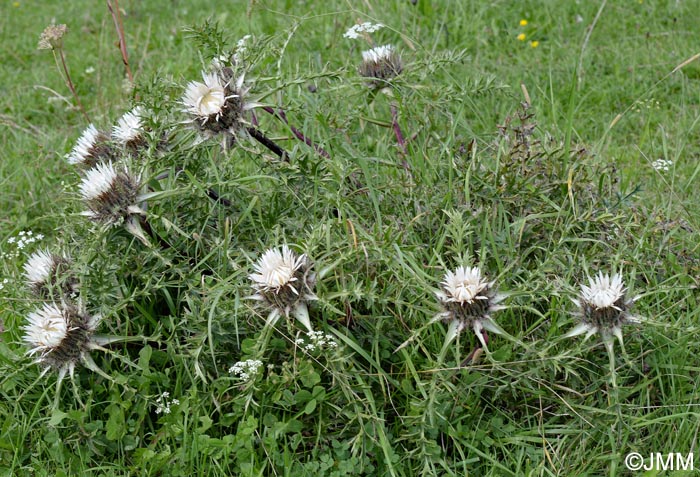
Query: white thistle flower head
point(218, 104)
point(284, 283)
point(111, 195)
point(61, 336)
point(468, 301)
point(129, 129)
point(91, 149)
point(380, 65)
point(603, 307)
point(48, 274)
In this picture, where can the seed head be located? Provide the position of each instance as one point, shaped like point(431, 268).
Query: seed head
point(52, 37)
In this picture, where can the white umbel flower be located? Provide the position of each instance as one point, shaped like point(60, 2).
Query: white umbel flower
point(603, 308)
point(380, 64)
point(468, 301)
point(90, 149)
point(129, 129)
point(366, 27)
point(284, 283)
point(47, 273)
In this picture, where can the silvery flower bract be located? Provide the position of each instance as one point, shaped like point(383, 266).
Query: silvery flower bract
point(61, 335)
point(603, 308)
point(91, 148)
point(129, 129)
point(468, 301)
point(45, 271)
point(217, 104)
point(284, 283)
point(380, 64)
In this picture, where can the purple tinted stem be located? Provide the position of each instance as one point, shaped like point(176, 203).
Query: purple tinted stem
point(299, 135)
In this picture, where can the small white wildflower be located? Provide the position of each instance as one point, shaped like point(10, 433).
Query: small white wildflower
point(366, 27)
point(242, 42)
point(245, 370)
point(662, 164)
point(89, 70)
point(163, 404)
point(316, 340)
point(241, 49)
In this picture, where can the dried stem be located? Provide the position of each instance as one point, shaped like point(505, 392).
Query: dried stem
point(116, 16)
point(69, 82)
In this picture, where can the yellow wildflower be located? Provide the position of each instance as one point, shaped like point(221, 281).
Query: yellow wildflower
point(523, 22)
point(534, 44)
point(522, 37)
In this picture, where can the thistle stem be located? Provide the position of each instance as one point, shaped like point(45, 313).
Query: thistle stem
point(213, 195)
point(271, 145)
point(69, 82)
point(477, 349)
point(299, 135)
point(146, 226)
point(399, 135)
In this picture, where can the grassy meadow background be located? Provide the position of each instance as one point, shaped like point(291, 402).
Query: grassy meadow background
point(609, 95)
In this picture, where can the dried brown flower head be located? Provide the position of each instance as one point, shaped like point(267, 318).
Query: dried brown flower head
point(52, 37)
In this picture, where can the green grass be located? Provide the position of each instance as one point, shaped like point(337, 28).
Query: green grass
point(538, 216)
